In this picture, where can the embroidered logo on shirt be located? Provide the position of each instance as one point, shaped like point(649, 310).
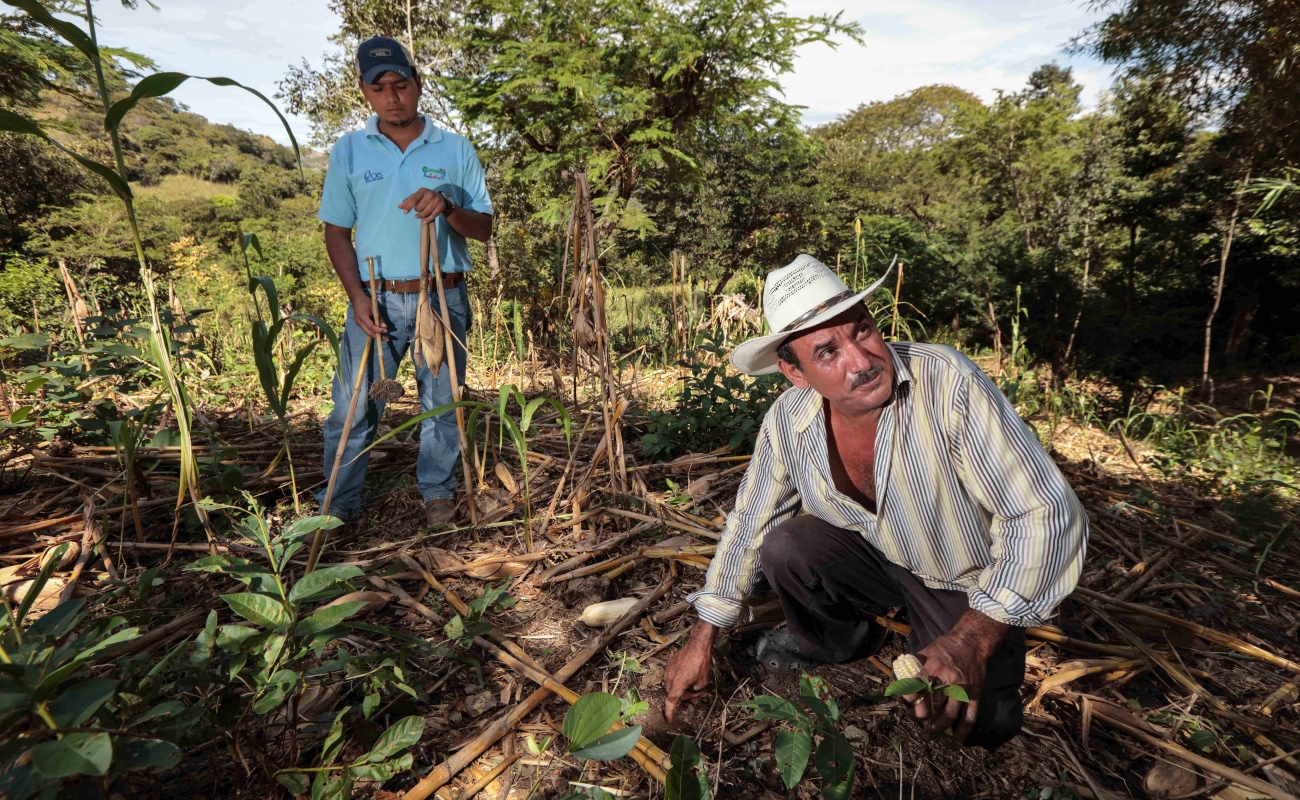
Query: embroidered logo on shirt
point(371, 177)
point(439, 174)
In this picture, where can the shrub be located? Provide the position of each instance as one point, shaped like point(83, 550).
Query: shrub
point(717, 407)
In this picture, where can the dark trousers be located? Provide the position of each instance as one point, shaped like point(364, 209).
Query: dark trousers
point(831, 581)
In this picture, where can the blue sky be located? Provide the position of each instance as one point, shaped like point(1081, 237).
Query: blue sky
point(979, 45)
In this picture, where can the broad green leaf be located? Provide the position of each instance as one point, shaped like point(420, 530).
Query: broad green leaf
point(277, 688)
point(835, 765)
point(792, 751)
point(259, 609)
point(327, 618)
point(382, 771)
point(136, 754)
point(1203, 740)
point(334, 741)
point(768, 707)
point(610, 746)
point(815, 695)
point(956, 692)
point(21, 414)
point(162, 83)
point(320, 580)
point(295, 782)
point(906, 686)
point(80, 701)
point(58, 620)
point(301, 527)
point(684, 781)
point(401, 735)
point(74, 754)
point(590, 718)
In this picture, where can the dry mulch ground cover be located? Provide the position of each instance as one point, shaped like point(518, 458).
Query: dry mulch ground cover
point(1171, 673)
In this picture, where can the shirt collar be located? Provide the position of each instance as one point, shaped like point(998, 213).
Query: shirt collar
point(432, 133)
point(808, 404)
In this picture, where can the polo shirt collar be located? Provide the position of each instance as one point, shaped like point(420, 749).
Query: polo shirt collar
point(808, 404)
point(432, 133)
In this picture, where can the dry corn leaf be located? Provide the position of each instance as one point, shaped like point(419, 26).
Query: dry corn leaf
point(501, 569)
point(373, 601)
point(507, 480)
point(442, 559)
point(1170, 779)
point(700, 486)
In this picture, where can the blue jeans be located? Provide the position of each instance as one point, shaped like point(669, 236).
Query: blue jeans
point(439, 439)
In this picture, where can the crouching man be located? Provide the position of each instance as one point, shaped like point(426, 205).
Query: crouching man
point(919, 488)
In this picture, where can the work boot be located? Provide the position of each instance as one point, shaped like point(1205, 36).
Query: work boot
point(439, 512)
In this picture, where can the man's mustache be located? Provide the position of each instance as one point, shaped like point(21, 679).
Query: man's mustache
point(860, 378)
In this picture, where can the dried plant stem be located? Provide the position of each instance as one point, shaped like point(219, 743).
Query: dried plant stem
point(466, 453)
point(319, 539)
point(444, 772)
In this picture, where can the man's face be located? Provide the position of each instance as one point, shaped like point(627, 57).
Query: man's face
point(844, 360)
point(395, 99)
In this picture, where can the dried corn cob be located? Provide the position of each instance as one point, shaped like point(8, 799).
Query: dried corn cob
point(907, 666)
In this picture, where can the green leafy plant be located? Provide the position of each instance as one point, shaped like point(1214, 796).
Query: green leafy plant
point(587, 728)
point(516, 429)
point(333, 780)
point(923, 683)
point(74, 724)
point(815, 719)
point(717, 407)
point(156, 85)
point(686, 779)
point(269, 331)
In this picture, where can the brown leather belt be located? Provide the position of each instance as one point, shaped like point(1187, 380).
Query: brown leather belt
point(449, 281)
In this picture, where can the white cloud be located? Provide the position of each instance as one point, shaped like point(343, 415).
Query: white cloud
point(979, 45)
point(251, 41)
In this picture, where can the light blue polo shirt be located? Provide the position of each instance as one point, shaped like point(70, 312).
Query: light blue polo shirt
point(368, 176)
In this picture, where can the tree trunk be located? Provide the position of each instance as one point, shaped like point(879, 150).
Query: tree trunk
point(1224, 249)
point(1083, 297)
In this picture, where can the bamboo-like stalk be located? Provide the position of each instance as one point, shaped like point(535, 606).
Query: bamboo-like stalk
point(444, 772)
point(1209, 634)
point(519, 660)
point(898, 289)
point(466, 453)
point(319, 539)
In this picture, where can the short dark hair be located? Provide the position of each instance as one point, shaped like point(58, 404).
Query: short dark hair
point(786, 353)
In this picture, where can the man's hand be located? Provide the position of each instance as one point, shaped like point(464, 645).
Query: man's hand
point(426, 203)
point(688, 670)
point(374, 328)
point(959, 658)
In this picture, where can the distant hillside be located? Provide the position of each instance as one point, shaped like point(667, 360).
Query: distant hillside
point(162, 138)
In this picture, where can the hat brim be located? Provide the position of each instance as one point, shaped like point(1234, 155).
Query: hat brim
point(373, 73)
point(757, 356)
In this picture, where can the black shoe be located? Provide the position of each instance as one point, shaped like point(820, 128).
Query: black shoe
point(778, 651)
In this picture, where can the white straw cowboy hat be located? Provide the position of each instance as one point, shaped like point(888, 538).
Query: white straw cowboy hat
point(796, 297)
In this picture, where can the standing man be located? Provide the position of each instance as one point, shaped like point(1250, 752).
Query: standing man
point(920, 488)
point(384, 181)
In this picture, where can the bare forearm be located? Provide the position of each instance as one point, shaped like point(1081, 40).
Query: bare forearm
point(338, 245)
point(470, 224)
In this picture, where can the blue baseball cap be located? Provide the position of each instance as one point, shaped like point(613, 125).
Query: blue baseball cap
point(380, 54)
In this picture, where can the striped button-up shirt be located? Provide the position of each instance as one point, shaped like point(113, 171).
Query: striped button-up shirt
point(966, 497)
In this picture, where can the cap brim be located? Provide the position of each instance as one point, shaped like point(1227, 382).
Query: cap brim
point(757, 356)
point(373, 73)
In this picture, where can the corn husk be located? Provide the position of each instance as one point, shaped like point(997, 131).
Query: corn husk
point(430, 343)
point(598, 615)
